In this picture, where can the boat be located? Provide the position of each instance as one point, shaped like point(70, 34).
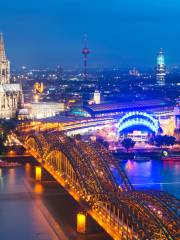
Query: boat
point(171, 158)
point(141, 158)
point(9, 164)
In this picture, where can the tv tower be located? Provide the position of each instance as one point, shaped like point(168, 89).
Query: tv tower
point(85, 52)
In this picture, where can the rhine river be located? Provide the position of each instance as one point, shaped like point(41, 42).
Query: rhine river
point(159, 175)
point(31, 210)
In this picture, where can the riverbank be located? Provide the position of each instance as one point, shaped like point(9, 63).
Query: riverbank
point(158, 155)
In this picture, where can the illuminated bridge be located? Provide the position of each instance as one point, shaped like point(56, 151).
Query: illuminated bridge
point(93, 177)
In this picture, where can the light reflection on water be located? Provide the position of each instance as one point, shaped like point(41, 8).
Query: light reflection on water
point(11, 176)
point(38, 188)
point(161, 175)
point(33, 209)
point(144, 175)
point(28, 170)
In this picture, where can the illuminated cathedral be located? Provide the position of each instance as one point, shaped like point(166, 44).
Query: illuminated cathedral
point(11, 96)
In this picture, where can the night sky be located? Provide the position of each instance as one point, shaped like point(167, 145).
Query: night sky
point(44, 33)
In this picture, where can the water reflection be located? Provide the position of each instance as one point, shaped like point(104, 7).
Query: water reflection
point(27, 168)
point(22, 213)
point(136, 169)
point(1, 179)
point(38, 188)
point(154, 174)
point(11, 176)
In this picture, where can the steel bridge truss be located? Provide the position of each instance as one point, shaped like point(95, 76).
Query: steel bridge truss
point(86, 171)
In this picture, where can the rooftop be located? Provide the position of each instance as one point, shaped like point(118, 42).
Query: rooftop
point(105, 107)
point(11, 87)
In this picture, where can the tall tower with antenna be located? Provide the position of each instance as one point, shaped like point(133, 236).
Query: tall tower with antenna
point(85, 52)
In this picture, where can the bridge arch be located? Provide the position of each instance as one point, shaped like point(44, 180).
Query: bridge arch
point(69, 158)
point(71, 154)
point(33, 143)
point(138, 119)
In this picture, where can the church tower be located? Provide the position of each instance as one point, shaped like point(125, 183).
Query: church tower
point(4, 64)
point(11, 96)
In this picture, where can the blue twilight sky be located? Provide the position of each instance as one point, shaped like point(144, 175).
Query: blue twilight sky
point(41, 33)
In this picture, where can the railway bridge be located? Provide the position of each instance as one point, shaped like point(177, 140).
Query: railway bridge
point(94, 178)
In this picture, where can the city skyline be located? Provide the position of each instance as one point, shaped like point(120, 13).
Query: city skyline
point(89, 119)
point(129, 36)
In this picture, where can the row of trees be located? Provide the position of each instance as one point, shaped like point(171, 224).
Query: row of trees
point(158, 141)
point(6, 126)
point(162, 140)
point(128, 143)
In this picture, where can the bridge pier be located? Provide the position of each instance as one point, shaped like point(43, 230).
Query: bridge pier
point(38, 173)
point(81, 222)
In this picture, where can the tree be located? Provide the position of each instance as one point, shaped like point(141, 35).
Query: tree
point(3, 138)
point(128, 143)
point(102, 142)
point(5, 129)
point(169, 140)
point(157, 141)
point(78, 137)
point(165, 140)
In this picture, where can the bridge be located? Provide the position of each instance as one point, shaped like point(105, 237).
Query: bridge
point(94, 178)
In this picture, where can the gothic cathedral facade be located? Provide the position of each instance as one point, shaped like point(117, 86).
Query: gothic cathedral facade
point(11, 96)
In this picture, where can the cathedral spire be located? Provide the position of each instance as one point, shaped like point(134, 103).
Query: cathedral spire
point(2, 50)
point(4, 64)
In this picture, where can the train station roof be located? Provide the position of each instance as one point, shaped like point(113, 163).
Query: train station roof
point(127, 106)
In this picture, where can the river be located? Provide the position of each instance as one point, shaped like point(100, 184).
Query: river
point(154, 174)
point(32, 210)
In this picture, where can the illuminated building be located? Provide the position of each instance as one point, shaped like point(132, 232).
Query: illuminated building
point(85, 53)
point(36, 98)
point(134, 72)
point(162, 110)
point(59, 72)
point(138, 125)
point(4, 64)
point(160, 69)
point(112, 109)
point(44, 109)
point(97, 97)
point(38, 87)
point(11, 97)
point(137, 118)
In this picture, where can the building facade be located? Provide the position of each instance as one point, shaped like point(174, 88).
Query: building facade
point(11, 96)
point(97, 97)
point(160, 69)
point(40, 110)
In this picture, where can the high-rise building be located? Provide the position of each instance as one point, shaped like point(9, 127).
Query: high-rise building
point(160, 69)
point(11, 97)
point(97, 97)
point(134, 72)
point(59, 72)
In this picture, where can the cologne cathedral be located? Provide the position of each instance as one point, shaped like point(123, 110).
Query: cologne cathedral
point(11, 96)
